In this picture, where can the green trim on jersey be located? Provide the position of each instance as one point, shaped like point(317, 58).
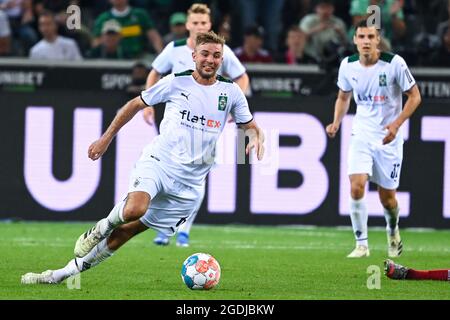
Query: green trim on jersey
point(387, 56)
point(184, 73)
point(353, 58)
point(179, 43)
point(223, 79)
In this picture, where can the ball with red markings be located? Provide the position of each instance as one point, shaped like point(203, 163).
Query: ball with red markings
point(200, 271)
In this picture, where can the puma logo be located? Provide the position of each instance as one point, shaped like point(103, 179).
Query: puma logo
point(186, 95)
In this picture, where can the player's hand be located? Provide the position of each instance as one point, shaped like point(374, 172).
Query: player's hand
point(258, 145)
point(392, 133)
point(149, 115)
point(331, 130)
point(230, 119)
point(98, 148)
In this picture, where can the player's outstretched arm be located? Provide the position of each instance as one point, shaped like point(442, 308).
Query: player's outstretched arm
point(149, 113)
point(411, 105)
point(340, 109)
point(125, 114)
point(256, 138)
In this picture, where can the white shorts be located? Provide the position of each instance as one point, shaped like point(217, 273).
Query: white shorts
point(382, 163)
point(172, 202)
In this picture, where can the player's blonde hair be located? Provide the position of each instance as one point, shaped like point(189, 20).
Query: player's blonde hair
point(209, 37)
point(199, 8)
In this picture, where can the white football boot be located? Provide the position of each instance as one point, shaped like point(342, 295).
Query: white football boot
point(395, 244)
point(359, 252)
point(87, 241)
point(45, 277)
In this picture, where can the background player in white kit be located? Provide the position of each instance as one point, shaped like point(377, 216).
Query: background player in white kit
point(378, 80)
point(167, 180)
point(177, 57)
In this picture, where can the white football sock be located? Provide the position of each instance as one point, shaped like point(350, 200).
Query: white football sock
point(392, 217)
point(69, 270)
point(359, 216)
point(114, 219)
point(98, 254)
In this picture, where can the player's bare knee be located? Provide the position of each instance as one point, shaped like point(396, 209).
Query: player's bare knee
point(134, 211)
point(357, 191)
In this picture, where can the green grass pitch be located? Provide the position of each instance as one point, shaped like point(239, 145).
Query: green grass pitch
point(257, 263)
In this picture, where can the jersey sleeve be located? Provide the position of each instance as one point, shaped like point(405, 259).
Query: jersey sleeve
point(402, 74)
point(343, 82)
point(163, 62)
point(231, 64)
point(240, 109)
point(159, 92)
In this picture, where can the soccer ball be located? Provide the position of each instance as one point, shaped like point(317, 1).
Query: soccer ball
point(200, 271)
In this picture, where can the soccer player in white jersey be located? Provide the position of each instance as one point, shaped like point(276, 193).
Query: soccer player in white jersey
point(377, 80)
point(167, 181)
point(177, 57)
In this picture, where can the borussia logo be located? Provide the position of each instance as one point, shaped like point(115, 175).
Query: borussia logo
point(383, 80)
point(222, 102)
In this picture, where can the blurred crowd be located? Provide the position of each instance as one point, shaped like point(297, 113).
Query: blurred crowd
point(260, 31)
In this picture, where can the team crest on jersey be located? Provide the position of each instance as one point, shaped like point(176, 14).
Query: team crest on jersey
point(383, 80)
point(222, 102)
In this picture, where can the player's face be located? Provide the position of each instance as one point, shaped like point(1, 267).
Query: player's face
point(198, 23)
point(207, 58)
point(366, 40)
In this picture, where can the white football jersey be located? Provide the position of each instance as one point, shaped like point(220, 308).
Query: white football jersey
point(194, 117)
point(377, 91)
point(177, 57)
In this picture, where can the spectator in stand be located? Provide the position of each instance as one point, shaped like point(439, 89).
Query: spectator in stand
point(139, 75)
point(5, 35)
point(53, 46)
point(252, 49)
point(81, 35)
point(57, 7)
point(295, 52)
point(444, 26)
point(323, 29)
point(137, 28)
point(224, 28)
point(266, 13)
point(21, 17)
point(393, 26)
point(109, 47)
point(178, 29)
point(442, 56)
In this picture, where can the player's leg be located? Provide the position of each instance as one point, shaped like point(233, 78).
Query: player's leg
point(391, 214)
point(185, 228)
point(358, 215)
point(398, 272)
point(360, 163)
point(128, 210)
point(386, 174)
point(99, 253)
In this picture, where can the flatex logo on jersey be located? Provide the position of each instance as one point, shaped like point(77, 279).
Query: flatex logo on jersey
point(211, 123)
point(370, 98)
